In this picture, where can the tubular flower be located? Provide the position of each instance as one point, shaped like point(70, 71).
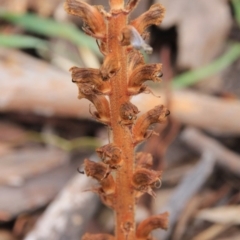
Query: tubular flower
point(153, 16)
point(94, 24)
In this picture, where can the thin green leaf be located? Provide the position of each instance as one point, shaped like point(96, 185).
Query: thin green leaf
point(21, 41)
point(49, 27)
point(192, 77)
point(236, 9)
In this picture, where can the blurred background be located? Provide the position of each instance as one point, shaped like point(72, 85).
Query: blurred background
point(46, 132)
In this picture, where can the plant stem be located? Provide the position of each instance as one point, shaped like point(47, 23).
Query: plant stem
point(125, 198)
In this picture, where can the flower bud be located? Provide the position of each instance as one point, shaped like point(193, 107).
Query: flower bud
point(128, 113)
point(90, 76)
point(94, 24)
point(150, 224)
point(140, 129)
point(153, 16)
point(111, 155)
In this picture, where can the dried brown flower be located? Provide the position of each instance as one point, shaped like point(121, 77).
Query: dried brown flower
point(94, 24)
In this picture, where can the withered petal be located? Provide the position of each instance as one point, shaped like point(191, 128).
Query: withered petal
point(153, 16)
point(93, 19)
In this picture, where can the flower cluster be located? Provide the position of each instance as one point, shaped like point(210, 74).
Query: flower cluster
point(97, 85)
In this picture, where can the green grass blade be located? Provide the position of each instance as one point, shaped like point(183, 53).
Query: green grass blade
point(236, 9)
point(192, 77)
point(21, 41)
point(51, 28)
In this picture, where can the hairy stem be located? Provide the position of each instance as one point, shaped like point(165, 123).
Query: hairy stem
point(125, 199)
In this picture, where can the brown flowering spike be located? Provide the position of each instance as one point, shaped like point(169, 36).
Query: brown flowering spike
point(140, 129)
point(99, 101)
point(91, 77)
point(143, 178)
point(158, 221)
point(143, 73)
point(111, 155)
point(102, 236)
point(130, 36)
point(131, 5)
point(153, 16)
point(110, 67)
point(143, 160)
point(94, 24)
point(122, 74)
point(128, 113)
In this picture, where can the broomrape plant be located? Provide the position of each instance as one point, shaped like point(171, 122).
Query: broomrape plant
point(122, 75)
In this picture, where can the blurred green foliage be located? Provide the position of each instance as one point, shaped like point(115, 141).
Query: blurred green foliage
point(236, 9)
point(49, 28)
